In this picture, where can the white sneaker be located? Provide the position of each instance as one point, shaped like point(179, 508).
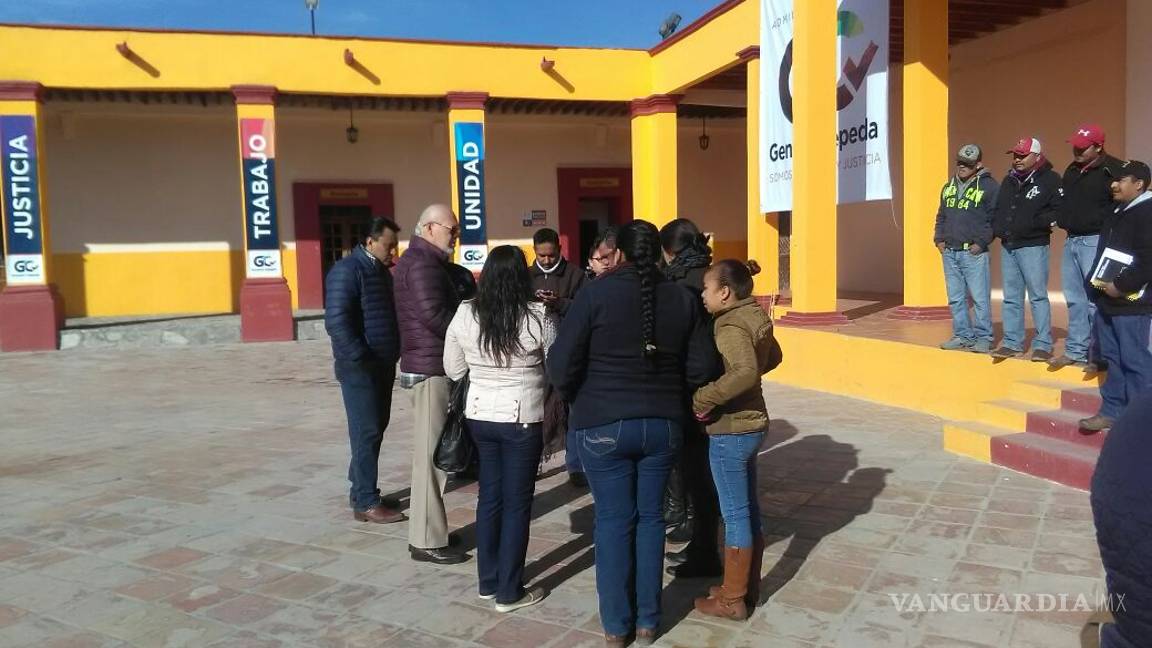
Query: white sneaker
point(531, 597)
point(486, 597)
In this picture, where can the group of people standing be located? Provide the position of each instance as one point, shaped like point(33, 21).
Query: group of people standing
point(656, 357)
point(1100, 202)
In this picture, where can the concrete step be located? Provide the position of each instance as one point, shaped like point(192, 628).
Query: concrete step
point(1086, 401)
point(1063, 462)
point(1064, 425)
point(174, 331)
point(1011, 414)
point(973, 438)
point(1045, 394)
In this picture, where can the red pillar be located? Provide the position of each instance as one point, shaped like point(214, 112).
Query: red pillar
point(265, 299)
point(31, 311)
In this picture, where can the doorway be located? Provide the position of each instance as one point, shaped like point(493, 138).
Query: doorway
point(331, 218)
point(596, 214)
point(591, 199)
point(342, 228)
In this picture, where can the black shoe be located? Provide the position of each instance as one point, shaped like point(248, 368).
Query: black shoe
point(1004, 352)
point(677, 557)
point(680, 533)
point(1040, 355)
point(392, 503)
point(440, 556)
point(697, 569)
point(578, 479)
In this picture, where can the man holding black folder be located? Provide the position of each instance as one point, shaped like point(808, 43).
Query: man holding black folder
point(1120, 277)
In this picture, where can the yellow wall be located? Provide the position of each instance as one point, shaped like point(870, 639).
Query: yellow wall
point(114, 284)
point(711, 48)
point(864, 368)
point(80, 58)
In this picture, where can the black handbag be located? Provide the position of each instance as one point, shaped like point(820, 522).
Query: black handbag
point(455, 448)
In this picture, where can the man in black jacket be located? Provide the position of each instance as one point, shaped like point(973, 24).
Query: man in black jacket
point(1087, 201)
point(360, 317)
point(1120, 277)
point(1026, 207)
point(963, 236)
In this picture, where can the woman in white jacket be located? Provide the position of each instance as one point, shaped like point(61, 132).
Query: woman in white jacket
point(499, 340)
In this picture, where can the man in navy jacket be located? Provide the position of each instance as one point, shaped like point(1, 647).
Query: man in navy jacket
point(1123, 297)
point(360, 317)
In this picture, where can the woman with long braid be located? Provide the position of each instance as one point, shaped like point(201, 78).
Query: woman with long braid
point(631, 350)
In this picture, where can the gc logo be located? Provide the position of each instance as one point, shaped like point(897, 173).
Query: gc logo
point(264, 261)
point(25, 266)
point(474, 255)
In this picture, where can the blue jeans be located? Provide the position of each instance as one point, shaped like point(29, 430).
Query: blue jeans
point(1026, 268)
point(733, 459)
point(1124, 345)
point(967, 274)
point(572, 452)
point(509, 455)
point(627, 464)
point(1075, 266)
point(367, 390)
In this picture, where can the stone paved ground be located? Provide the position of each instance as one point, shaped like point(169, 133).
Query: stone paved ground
point(191, 497)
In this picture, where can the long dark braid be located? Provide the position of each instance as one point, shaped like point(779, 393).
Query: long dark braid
point(640, 243)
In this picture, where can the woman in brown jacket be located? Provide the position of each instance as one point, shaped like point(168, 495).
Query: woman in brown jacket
point(733, 406)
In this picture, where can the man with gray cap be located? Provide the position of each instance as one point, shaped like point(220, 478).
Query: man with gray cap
point(963, 234)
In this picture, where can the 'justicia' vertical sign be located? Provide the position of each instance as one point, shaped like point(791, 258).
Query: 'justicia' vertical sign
point(470, 191)
point(258, 152)
point(24, 261)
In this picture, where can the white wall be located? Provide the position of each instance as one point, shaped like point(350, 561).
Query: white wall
point(712, 184)
point(125, 174)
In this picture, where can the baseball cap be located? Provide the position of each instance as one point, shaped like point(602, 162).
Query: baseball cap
point(1026, 145)
point(1087, 135)
point(969, 154)
point(1135, 168)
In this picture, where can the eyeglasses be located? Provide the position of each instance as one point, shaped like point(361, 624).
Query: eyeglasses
point(454, 230)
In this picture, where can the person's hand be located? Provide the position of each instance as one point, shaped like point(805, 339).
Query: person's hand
point(1111, 291)
point(940, 246)
point(705, 417)
point(975, 249)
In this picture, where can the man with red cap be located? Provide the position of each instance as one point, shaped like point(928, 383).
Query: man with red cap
point(1087, 202)
point(1026, 207)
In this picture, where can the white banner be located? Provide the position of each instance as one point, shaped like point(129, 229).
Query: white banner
point(861, 101)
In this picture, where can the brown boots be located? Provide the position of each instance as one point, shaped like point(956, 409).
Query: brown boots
point(728, 601)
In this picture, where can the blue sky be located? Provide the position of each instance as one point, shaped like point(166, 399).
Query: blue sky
point(594, 23)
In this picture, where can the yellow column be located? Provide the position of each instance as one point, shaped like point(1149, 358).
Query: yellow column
point(265, 300)
point(813, 251)
point(763, 229)
point(31, 312)
point(654, 159)
point(467, 144)
point(926, 155)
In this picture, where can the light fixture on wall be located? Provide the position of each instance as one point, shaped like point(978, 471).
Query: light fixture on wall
point(704, 139)
point(352, 132)
point(668, 27)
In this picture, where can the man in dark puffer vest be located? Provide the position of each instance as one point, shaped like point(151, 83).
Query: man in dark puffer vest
point(427, 298)
point(360, 317)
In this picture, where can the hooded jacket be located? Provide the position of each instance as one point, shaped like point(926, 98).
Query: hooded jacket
point(746, 343)
point(1026, 208)
point(1087, 197)
point(966, 211)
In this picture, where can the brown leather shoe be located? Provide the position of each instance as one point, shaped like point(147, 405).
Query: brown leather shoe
point(645, 636)
point(379, 514)
point(615, 641)
point(729, 603)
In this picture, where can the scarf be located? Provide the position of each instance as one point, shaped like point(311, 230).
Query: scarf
point(697, 255)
